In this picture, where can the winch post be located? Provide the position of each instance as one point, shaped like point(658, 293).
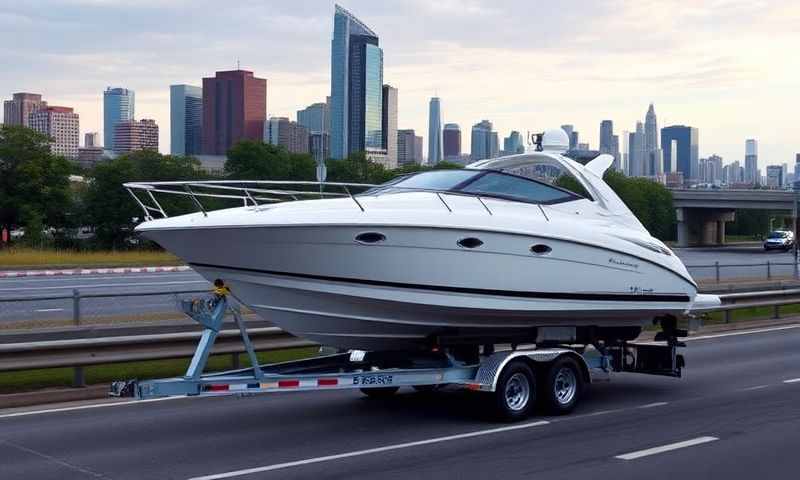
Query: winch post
point(212, 321)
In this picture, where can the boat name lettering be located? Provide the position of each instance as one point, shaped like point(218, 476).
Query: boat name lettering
point(623, 263)
point(373, 380)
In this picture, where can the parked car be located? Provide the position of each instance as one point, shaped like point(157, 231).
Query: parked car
point(779, 240)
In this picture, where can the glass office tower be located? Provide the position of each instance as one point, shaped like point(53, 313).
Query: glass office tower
point(118, 106)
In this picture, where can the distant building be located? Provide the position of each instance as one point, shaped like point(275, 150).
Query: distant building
point(512, 144)
point(315, 117)
point(481, 142)
point(775, 176)
point(186, 119)
point(320, 146)
point(573, 140)
point(407, 148)
point(674, 180)
point(234, 109)
point(451, 141)
point(134, 135)
point(609, 143)
point(356, 88)
point(434, 131)
point(389, 126)
point(62, 125)
point(568, 129)
point(90, 156)
point(91, 139)
point(751, 174)
point(680, 147)
point(119, 105)
point(651, 130)
point(290, 135)
point(17, 111)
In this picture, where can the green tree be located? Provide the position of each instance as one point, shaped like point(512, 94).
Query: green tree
point(111, 210)
point(34, 184)
point(249, 160)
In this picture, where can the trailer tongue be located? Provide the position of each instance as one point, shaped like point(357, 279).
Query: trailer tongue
point(516, 377)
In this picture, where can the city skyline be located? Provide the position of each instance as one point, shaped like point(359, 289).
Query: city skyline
point(707, 82)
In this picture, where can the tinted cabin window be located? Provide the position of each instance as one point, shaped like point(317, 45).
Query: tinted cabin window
point(509, 186)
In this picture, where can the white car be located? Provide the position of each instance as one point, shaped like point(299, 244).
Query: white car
point(779, 240)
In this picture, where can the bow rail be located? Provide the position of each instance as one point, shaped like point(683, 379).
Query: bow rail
point(250, 193)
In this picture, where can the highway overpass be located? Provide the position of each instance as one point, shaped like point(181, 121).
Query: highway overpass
point(702, 214)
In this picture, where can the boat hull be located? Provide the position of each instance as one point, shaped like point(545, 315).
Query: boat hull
point(317, 282)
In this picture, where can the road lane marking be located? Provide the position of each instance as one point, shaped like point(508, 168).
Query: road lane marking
point(743, 332)
point(101, 285)
point(86, 407)
point(653, 405)
point(792, 380)
point(666, 448)
point(757, 387)
point(358, 453)
point(43, 310)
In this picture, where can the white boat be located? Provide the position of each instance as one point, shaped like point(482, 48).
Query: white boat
point(468, 256)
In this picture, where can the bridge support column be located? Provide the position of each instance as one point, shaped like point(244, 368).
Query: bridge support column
point(683, 227)
point(721, 232)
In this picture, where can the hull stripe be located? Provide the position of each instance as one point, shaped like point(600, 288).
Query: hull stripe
point(608, 297)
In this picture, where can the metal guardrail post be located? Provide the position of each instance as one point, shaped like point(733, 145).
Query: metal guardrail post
point(727, 316)
point(76, 306)
point(769, 271)
point(235, 363)
point(776, 311)
point(716, 267)
point(78, 377)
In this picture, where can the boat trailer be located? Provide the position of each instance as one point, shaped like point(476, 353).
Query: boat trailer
point(516, 377)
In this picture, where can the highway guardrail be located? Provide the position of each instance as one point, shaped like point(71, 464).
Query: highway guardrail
point(78, 353)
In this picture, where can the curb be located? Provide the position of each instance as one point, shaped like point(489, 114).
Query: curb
point(42, 397)
point(92, 271)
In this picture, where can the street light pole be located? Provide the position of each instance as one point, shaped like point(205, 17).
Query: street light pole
point(794, 233)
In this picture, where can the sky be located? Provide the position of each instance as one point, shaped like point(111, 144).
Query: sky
point(728, 67)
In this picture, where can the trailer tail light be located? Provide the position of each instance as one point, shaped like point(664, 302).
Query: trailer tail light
point(288, 383)
point(327, 382)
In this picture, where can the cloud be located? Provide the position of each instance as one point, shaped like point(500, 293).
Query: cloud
point(725, 66)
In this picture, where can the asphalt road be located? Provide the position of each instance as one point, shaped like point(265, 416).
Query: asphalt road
point(166, 283)
point(734, 415)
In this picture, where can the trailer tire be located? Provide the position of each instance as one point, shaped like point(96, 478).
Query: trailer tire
point(562, 385)
point(515, 394)
point(380, 392)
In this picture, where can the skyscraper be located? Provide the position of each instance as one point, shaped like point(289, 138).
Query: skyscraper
point(406, 148)
point(290, 135)
point(512, 144)
point(315, 117)
point(481, 142)
point(451, 141)
point(636, 155)
point(609, 143)
point(650, 130)
point(434, 131)
point(119, 105)
point(356, 87)
point(62, 125)
point(568, 129)
point(17, 111)
point(234, 109)
point(185, 119)
point(91, 139)
point(751, 162)
point(133, 135)
point(389, 125)
point(680, 147)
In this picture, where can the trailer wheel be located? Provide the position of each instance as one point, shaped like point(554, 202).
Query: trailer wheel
point(562, 386)
point(515, 394)
point(380, 392)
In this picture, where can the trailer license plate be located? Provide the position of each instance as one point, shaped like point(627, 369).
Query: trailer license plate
point(372, 380)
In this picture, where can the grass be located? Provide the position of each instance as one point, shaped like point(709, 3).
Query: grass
point(29, 380)
point(34, 258)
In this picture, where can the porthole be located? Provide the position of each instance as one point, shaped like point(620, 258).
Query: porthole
point(370, 237)
point(541, 249)
point(470, 242)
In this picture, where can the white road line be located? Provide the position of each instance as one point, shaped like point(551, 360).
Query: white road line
point(357, 453)
point(101, 285)
point(792, 380)
point(757, 387)
point(42, 310)
point(86, 407)
point(653, 405)
point(666, 448)
point(743, 332)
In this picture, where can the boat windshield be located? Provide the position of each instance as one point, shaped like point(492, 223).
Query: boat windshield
point(485, 183)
